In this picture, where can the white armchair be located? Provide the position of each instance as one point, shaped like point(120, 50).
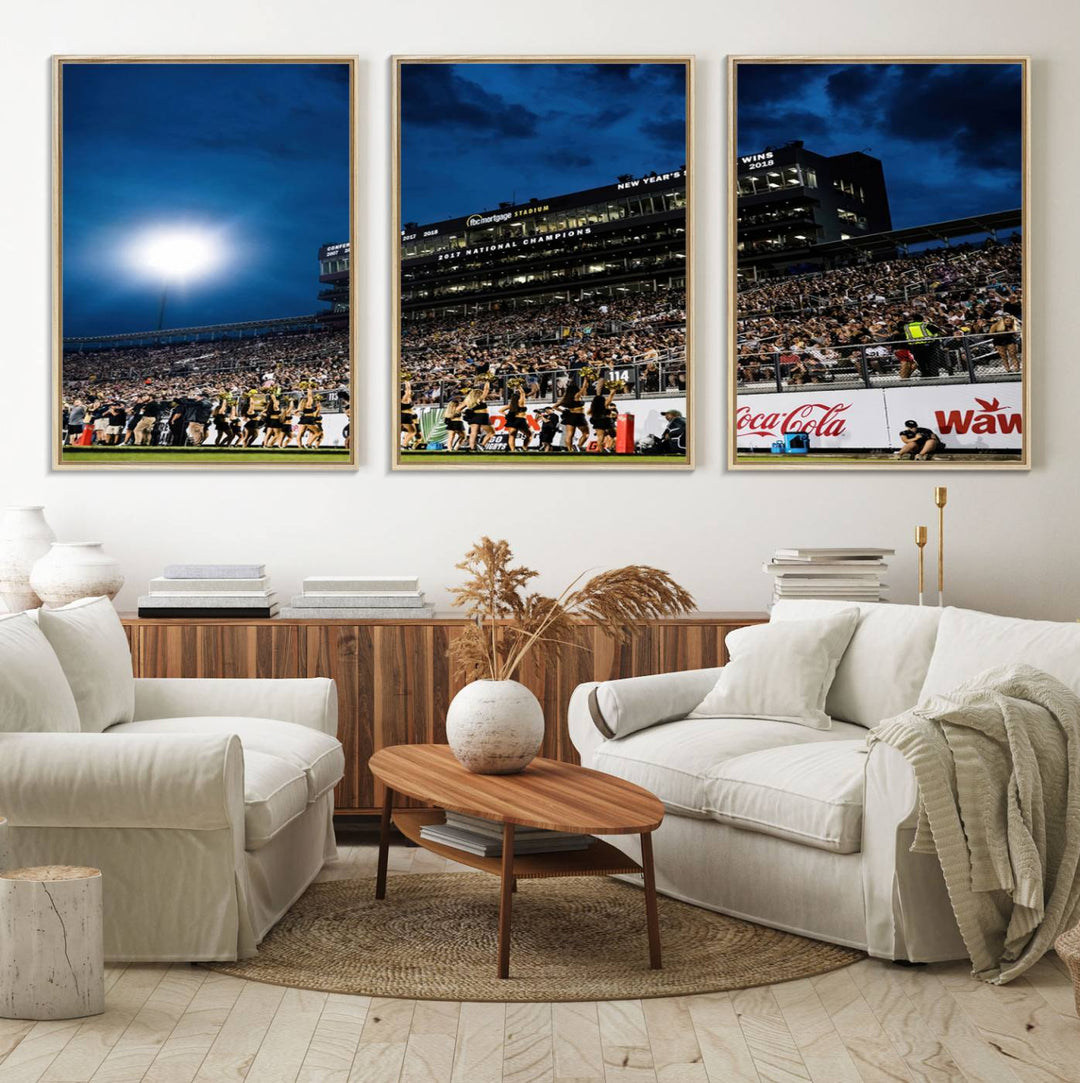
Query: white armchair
point(207, 804)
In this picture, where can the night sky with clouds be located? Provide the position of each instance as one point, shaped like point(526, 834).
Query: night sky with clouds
point(949, 135)
point(255, 156)
point(475, 135)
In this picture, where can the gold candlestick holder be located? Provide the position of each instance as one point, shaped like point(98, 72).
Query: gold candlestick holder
point(920, 541)
point(941, 495)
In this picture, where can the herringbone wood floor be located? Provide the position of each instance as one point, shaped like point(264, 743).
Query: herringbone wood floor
point(871, 1021)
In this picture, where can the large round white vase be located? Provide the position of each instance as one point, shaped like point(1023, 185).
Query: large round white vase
point(74, 570)
point(25, 537)
point(495, 727)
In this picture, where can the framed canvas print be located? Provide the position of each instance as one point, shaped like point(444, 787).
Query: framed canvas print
point(878, 263)
point(542, 225)
point(203, 226)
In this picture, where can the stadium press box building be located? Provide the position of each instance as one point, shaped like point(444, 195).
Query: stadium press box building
point(624, 237)
point(791, 200)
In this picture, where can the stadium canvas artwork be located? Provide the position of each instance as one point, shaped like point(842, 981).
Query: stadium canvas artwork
point(204, 225)
point(543, 271)
point(877, 213)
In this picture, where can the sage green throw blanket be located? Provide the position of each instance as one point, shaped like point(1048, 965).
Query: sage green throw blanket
point(998, 766)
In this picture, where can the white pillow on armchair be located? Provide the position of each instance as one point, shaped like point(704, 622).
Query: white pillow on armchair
point(781, 671)
point(34, 693)
point(93, 650)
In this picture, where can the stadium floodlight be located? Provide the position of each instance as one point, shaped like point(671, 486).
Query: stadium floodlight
point(176, 255)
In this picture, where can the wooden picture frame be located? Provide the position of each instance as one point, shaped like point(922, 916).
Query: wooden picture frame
point(848, 321)
point(241, 169)
point(473, 259)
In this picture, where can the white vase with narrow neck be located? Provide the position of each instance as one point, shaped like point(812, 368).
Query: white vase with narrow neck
point(25, 537)
point(495, 727)
point(74, 570)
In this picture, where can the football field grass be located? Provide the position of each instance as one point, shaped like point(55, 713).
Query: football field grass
point(585, 460)
point(200, 456)
point(876, 457)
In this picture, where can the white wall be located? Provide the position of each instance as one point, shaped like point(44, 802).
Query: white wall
point(1012, 537)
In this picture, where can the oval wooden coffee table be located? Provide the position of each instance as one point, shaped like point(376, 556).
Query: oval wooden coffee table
point(547, 794)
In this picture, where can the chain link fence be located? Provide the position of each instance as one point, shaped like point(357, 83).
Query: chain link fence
point(964, 358)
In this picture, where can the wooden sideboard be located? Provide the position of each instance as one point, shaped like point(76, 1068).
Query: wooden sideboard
point(394, 683)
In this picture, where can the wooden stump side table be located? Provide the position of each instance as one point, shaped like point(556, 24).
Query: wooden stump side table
point(548, 794)
point(52, 955)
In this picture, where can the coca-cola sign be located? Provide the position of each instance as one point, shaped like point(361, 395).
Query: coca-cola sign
point(836, 420)
point(816, 418)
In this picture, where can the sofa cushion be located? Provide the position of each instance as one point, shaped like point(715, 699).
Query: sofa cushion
point(317, 754)
point(93, 650)
point(781, 671)
point(809, 793)
point(970, 642)
point(275, 793)
point(621, 707)
point(679, 760)
point(886, 660)
point(34, 694)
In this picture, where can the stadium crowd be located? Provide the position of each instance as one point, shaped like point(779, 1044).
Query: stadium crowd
point(261, 391)
point(903, 309)
point(541, 346)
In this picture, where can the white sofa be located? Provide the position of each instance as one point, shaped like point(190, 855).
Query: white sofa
point(207, 804)
point(798, 828)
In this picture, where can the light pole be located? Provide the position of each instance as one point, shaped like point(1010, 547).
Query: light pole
point(175, 255)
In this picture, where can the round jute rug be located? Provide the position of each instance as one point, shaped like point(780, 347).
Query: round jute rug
point(434, 938)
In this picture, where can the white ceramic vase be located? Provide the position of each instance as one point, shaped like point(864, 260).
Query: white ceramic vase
point(495, 727)
point(74, 570)
point(25, 537)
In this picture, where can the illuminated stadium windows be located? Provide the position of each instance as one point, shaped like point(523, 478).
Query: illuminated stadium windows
point(772, 180)
point(850, 188)
point(851, 218)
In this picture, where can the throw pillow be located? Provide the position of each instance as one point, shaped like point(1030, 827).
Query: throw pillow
point(34, 694)
point(781, 671)
point(90, 642)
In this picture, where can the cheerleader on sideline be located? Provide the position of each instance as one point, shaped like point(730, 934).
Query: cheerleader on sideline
point(455, 429)
point(516, 417)
point(573, 416)
point(474, 413)
point(603, 422)
point(311, 424)
point(408, 416)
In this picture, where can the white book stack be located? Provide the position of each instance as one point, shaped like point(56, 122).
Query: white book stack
point(850, 575)
point(484, 837)
point(210, 590)
point(360, 597)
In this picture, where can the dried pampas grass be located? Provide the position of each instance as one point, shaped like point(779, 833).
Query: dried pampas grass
point(508, 623)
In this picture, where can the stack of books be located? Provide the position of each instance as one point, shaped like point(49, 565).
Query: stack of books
point(851, 575)
point(210, 590)
point(484, 837)
point(360, 597)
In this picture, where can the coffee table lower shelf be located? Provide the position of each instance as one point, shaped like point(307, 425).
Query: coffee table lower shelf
point(600, 859)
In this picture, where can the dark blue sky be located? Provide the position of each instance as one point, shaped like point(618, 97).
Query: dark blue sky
point(256, 155)
point(475, 135)
point(949, 135)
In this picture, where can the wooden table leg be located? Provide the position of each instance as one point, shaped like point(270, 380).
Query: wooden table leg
point(384, 843)
point(505, 899)
point(651, 915)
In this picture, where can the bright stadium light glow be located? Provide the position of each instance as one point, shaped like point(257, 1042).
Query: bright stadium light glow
point(178, 253)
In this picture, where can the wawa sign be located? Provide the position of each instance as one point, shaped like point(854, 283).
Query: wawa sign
point(968, 416)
